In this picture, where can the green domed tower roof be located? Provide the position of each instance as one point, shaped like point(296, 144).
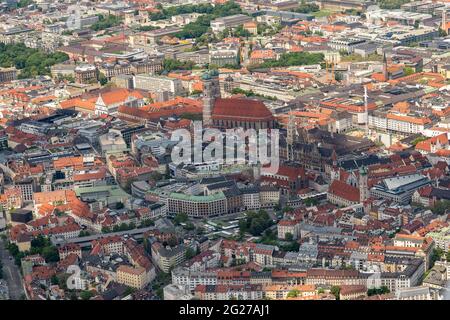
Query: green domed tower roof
point(363, 170)
point(214, 73)
point(206, 76)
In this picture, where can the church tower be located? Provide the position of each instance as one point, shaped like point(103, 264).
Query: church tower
point(290, 137)
point(444, 20)
point(211, 91)
point(335, 171)
point(385, 68)
point(363, 186)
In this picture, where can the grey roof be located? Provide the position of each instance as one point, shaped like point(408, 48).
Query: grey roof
point(413, 291)
point(222, 184)
point(401, 182)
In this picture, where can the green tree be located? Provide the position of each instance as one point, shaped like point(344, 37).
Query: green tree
point(119, 205)
point(86, 295)
point(106, 22)
point(441, 207)
point(24, 3)
point(436, 255)
point(336, 290)
point(147, 223)
point(391, 4)
point(202, 25)
point(50, 254)
point(293, 293)
point(106, 229)
point(376, 291)
point(30, 62)
point(310, 202)
point(102, 79)
point(307, 7)
point(84, 233)
point(54, 280)
point(293, 59)
point(181, 218)
point(190, 253)
point(288, 209)
point(289, 236)
point(172, 241)
point(408, 71)
point(173, 64)
point(129, 291)
point(147, 28)
point(189, 226)
point(255, 222)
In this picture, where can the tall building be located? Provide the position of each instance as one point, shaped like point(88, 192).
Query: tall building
point(385, 68)
point(363, 186)
point(211, 91)
point(445, 25)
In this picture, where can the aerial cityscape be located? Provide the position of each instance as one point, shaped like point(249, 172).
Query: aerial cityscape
point(225, 150)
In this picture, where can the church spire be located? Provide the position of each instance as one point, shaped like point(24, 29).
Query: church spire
point(385, 67)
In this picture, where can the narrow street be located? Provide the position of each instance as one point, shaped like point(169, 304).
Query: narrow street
point(11, 274)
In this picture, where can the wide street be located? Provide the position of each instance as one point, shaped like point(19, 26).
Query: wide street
point(11, 273)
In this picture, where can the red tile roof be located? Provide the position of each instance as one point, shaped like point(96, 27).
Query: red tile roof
point(241, 109)
point(345, 191)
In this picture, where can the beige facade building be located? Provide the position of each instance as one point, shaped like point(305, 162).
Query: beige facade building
point(134, 277)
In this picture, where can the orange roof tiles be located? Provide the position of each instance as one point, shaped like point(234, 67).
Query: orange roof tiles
point(426, 145)
point(263, 54)
point(410, 119)
point(345, 191)
point(119, 96)
point(87, 104)
point(232, 108)
point(69, 162)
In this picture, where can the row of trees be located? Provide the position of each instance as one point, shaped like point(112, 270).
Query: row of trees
point(106, 22)
point(391, 4)
point(239, 32)
point(24, 3)
point(165, 13)
point(121, 227)
point(294, 59)
point(202, 24)
point(250, 93)
point(31, 62)
point(173, 64)
point(376, 291)
point(307, 7)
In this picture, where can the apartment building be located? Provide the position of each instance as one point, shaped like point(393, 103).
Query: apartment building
point(168, 257)
point(134, 277)
point(398, 123)
point(197, 206)
point(159, 84)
